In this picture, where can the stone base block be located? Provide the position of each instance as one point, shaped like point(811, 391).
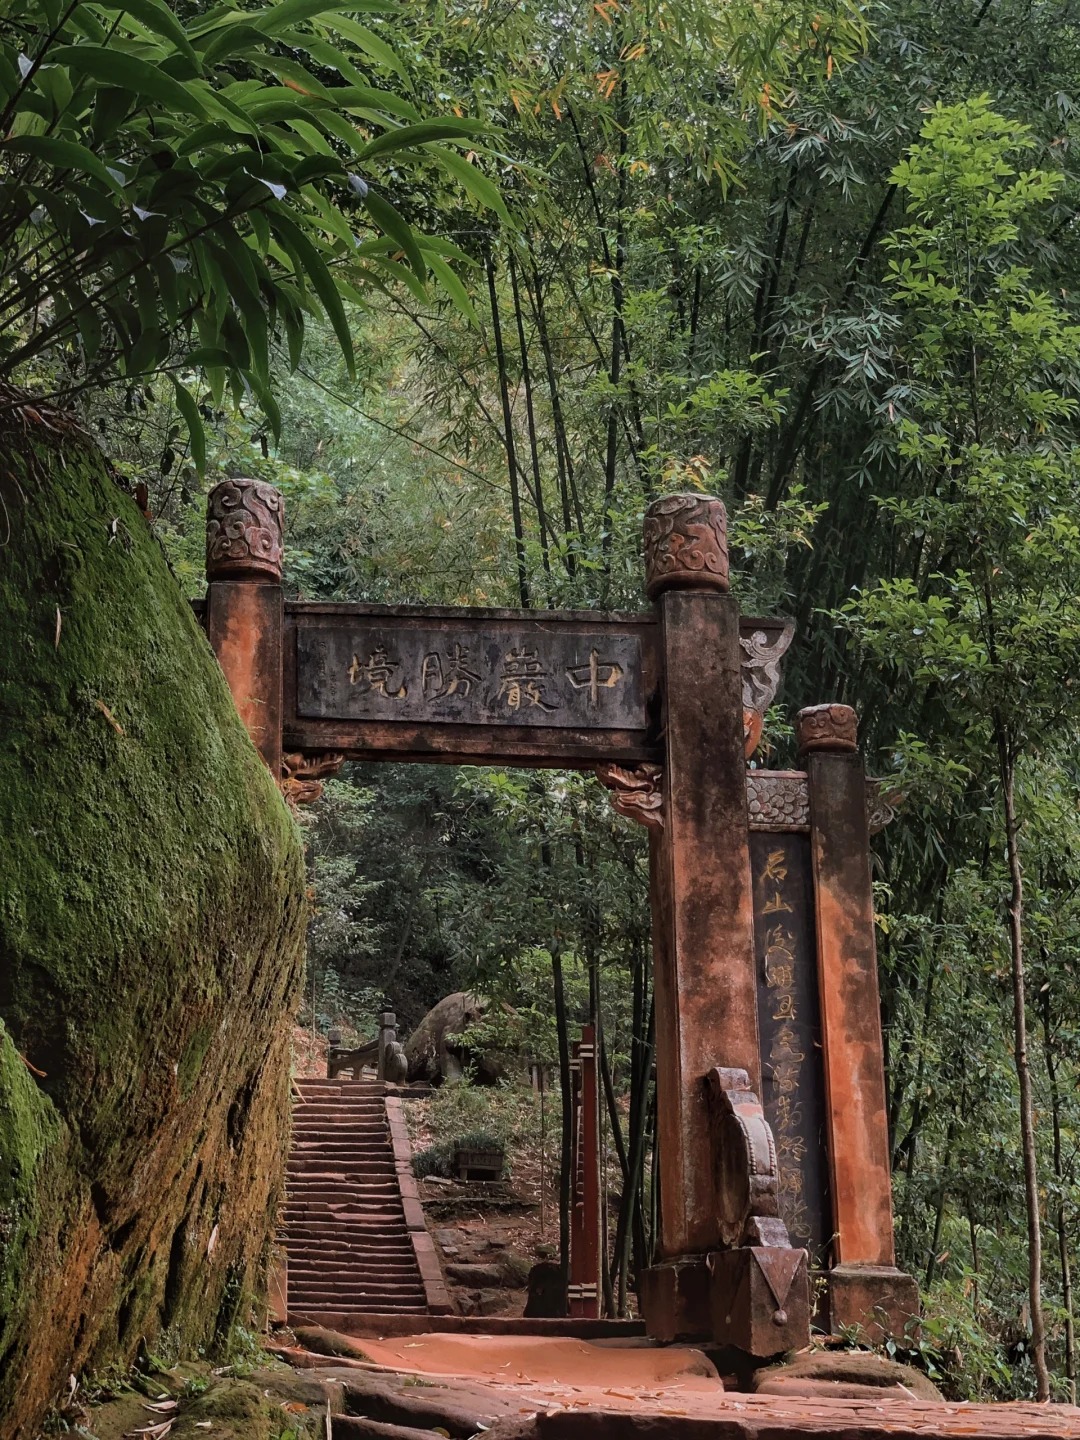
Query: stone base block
point(759, 1299)
point(879, 1300)
point(675, 1300)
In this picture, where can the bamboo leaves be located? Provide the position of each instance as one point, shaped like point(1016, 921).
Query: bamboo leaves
point(170, 191)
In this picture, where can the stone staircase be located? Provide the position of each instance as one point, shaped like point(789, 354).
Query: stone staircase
point(354, 1231)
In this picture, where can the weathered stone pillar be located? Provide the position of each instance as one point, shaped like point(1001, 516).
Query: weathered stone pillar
point(244, 604)
point(865, 1287)
point(387, 1035)
point(703, 945)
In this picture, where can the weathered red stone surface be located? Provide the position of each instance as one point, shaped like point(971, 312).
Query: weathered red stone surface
point(761, 1417)
point(244, 623)
point(706, 993)
point(851, 1022)
point(541, 1389)
point(685, 544)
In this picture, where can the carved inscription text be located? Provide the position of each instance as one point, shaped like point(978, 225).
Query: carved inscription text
point(503, 675)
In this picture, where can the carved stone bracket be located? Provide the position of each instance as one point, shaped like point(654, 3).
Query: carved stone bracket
point(780, 800)
point(745, 1165)
point(302, 783)
point(243, 531)
point(761, 667)
point(762, 653)
point(881, 804)
point(636, 794)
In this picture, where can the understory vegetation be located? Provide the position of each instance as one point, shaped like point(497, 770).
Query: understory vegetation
point(472, 283)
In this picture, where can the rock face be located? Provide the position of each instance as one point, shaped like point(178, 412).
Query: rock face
point(151, 932)
point(434, 1051)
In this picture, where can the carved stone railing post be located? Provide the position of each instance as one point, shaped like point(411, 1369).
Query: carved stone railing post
point(387, 1036)
point(865, 1288)
point(244, 604)
point(706, 1003)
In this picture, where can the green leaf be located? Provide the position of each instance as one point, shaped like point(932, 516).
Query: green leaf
point(313, 265)
point(158, 18)
point(371, 44)
point(473, 179)
point(399, 230)
point(368, 99)
point(267, 402)
point(453, 287)
point(86, 24)
point(404, 137)
point(219, 44)
point(114, 67)
point(185, 403)
point(289, 12)
point(63, 155)
point(403, 275)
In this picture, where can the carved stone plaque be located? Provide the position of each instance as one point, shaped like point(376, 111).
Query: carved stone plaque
point(458, 673)
point(792, 1084)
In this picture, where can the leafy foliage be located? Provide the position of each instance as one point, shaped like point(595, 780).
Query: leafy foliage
point(183, 196)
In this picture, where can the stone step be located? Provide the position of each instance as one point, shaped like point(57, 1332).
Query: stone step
point(346, 1256)
point(357, 1181)
point(346, 1210)
point(343, 1223)
point(375, 1279)
point(358, 1299)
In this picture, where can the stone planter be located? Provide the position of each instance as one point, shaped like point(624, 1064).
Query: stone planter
point(472, 1164)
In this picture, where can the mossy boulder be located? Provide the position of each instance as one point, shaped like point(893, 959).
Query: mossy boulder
point(151, 933)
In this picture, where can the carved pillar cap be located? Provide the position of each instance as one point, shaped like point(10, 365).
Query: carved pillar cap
point(685, 544)
point(243, 531)
point(827, 727)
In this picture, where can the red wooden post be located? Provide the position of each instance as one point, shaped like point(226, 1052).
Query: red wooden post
point(703, 937)
point(244, 605)
point(584, 1291)
point(865, 1287)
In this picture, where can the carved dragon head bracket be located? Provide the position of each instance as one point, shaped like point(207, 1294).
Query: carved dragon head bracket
point(636, 794)
point(303, 775)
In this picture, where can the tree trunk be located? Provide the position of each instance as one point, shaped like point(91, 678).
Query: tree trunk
point(1059, 1176)
point(530, 416)
point(508, 437)
point(1007, 764)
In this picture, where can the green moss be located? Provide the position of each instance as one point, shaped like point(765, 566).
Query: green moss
point(191, 1060)
point(151, 923)
point(28, 1126)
